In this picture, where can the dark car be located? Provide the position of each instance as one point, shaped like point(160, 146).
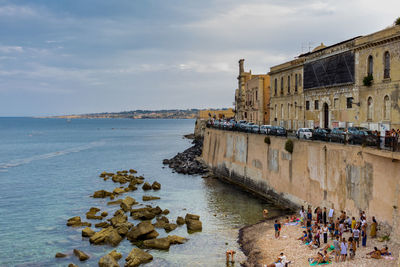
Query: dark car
point(361, 135)
point(278, 131)
point(321, 134)
point(338, 135)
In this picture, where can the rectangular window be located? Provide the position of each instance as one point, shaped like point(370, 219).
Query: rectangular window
point(349, 102)
point(307, 105)
point(336, 103)
point(316, 106)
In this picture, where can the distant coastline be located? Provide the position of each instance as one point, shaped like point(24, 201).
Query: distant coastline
point(137, 114)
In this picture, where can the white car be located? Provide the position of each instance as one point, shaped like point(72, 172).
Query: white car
point(304, 133)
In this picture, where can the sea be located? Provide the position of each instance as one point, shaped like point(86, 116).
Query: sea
point(49, 168)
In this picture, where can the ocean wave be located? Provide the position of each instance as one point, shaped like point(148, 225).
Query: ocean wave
point(19, 162)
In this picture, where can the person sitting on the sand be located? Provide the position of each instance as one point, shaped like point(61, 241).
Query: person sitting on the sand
point(313, 244)
point(287, 220)
point(277, 263)
point(303, 237)
point(385, 251)
point(320, 258)
point(375, 254)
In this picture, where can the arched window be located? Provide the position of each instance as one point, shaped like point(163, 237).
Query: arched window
point(386, 73)
point(282, 86)
point(370, 65)
point(386, 108)
point(295, 83)
point(370, 110)
point(288, 85)
point(276, 86)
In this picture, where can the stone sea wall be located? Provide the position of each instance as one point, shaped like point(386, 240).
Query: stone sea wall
point(343, 177)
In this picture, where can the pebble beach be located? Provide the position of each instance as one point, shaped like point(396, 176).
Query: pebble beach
point(261, 247)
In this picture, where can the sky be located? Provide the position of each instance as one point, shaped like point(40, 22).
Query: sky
point(84, 56)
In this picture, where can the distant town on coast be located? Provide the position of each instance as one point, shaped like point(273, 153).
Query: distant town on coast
point(147, 114)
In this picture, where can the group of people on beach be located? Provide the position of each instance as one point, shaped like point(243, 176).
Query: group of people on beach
point(323, 225)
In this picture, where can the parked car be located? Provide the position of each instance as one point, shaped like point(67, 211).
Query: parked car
point(254, 128)
point(321, 134)
point(265, 129)
point(304, 133)
point(278, 131)
point(361, 135)
point(249, 126)
point(338, 135)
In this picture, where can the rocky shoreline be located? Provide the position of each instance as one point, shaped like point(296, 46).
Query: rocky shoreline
point(186, 162)
point(144, 236)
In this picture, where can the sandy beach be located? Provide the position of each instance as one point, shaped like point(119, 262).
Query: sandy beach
point(261, 247)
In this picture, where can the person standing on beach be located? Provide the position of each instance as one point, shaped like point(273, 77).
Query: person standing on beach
point(352, 248)
point(302, 215)
point(356, 236)
point(373, 227)
point(325, 233)
point(336, 244)
point(364, 236)
point(343, 249)
point(324, 216)
point(277, 227)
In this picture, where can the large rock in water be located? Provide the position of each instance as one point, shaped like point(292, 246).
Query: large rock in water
point(146, 186)
point(61, 255)
point(140, 230)
point(180, 221)
point(137, 257)
point(156, 186)
point(110, 260)
point(123, 228)
point(127, 203)
point(91, 214)
point(118, 191)
point(101, 194)
point(158, 243)
point(174, 239)
point(194, 225)
point(148, 198)
point(109, 236)
point(76, 222)
point(82, 256)
point(87, 232)
point(119, 218)
point(193, 222)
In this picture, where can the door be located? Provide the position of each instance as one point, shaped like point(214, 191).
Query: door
point(326, 116)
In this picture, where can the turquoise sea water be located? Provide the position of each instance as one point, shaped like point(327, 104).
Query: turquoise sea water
point(50, 167)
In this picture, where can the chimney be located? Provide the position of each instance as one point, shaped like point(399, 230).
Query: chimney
point(241, 67)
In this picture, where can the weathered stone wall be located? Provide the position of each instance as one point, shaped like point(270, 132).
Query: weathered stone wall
point(349, 178)
point(199, 128)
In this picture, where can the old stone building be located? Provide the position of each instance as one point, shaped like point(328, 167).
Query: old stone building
point(351, 83)
point(378, 54)
point(286, 104)
point(329, 86)
point(252, 96)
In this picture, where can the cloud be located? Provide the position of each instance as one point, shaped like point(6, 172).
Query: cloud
point(11, 49)
point(160, 54)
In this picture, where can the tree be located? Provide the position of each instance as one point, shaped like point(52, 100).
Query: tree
point(397, 21)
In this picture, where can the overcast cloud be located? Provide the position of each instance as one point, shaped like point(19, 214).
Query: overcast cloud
point(84, 56)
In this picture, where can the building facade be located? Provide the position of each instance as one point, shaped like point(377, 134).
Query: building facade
point(252, 97)
point(352, 83)
point(286, 104)
point(378, 55)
